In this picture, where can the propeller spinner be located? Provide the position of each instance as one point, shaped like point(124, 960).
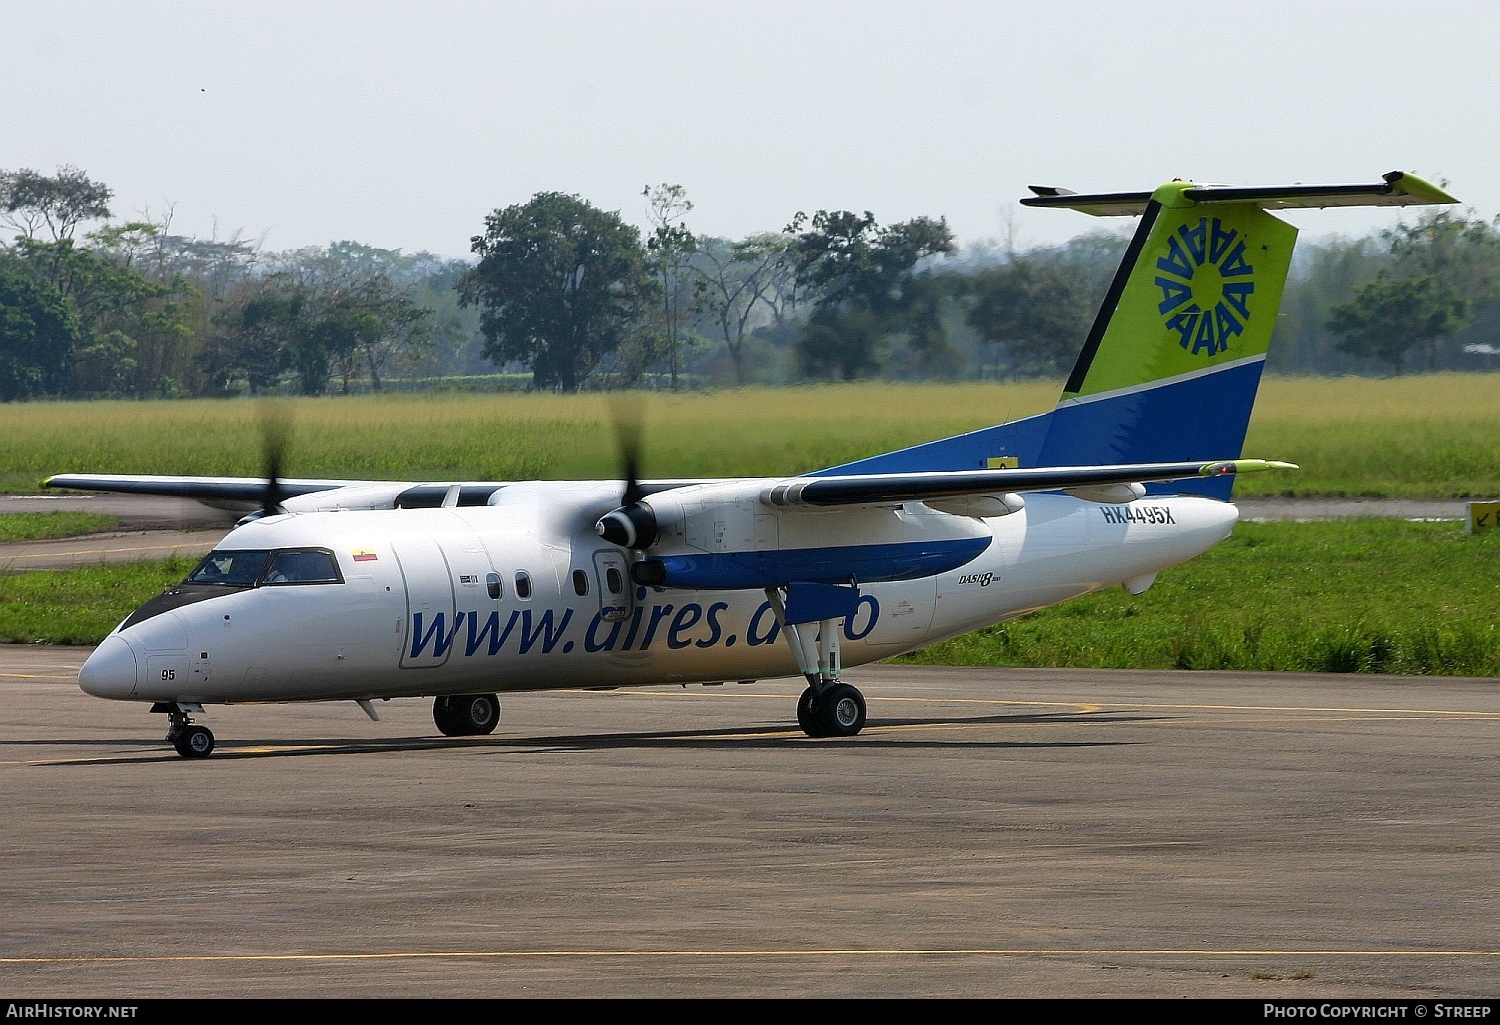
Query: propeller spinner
point(633, 524)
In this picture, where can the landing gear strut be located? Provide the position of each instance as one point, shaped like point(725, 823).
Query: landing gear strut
point(828, 707)
point(466, 715)
point(190, 739)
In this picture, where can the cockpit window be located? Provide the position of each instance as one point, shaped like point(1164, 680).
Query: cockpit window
point(307, 566)
point(287, 566)
point(232, 569)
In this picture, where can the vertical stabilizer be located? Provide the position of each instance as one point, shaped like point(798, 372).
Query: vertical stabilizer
point(1170, 368)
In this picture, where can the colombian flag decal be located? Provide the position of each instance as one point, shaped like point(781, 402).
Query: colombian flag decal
point(364, 555)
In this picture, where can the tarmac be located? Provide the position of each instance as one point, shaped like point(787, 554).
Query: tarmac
point(991, 833)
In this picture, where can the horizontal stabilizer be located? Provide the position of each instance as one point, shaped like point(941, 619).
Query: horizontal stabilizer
point(1398, 188)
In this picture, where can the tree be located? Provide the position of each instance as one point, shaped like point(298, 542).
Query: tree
point(38, 334)
point(840, 342)
point(30, 200)
point(1324, 274)
point(1036, 309)
point(250, 336)
point(135, 334)
point(735, 280)
point(558, 284)
point(863, 278)
point(1460, 251)
point(1389, 316)
point(669, 252)
point(389, 327)
point(315, 315)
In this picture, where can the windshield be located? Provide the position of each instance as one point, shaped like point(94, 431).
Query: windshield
point(303, 567)
point(233, 569)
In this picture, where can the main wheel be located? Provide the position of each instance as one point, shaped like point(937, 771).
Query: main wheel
point(480, 713)
point(444, 718)
point(839, 711)
point(805, 717)
point(467, 715)
point(194, 742)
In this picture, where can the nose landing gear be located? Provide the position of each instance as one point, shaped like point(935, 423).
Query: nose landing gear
point(187, 737)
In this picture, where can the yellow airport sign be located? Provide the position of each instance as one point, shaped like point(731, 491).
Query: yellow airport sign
point(1483, 516)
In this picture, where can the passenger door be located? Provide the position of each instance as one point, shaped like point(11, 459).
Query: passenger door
point(429, 604)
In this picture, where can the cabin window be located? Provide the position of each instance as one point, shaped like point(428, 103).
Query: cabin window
point(231, 569)
point(303, 566)
point(614, 581)
point(496, 588)
point(523, 585)
point(580, 582)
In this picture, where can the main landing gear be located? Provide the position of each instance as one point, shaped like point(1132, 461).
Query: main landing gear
point(828, 707)
point(466, 715)
point(190, 739)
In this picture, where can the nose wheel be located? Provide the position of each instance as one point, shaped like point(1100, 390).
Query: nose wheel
point(194, 741)
point(188, 738)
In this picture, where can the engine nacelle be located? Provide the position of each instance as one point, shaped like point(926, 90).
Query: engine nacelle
point(723, 536)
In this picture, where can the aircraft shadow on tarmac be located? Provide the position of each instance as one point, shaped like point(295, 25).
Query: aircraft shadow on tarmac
point(885, 733)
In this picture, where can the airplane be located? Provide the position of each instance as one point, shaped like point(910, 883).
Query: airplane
point(364, 591)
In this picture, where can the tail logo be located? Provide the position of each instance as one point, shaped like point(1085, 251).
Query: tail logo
point(1205, 286)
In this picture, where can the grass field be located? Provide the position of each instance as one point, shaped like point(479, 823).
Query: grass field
point(1429, 436)
point(39, 526)
point(79, 606)
point(1361, 596)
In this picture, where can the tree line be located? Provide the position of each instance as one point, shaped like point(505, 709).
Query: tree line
point(559, 294)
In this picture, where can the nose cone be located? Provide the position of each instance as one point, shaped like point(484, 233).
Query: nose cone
point(110, 670)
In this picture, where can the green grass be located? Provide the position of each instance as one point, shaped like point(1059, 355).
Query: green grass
point(79, 606)
point(1421, 436)
point(499, 437)
point(39, 526)
point(1367, 596)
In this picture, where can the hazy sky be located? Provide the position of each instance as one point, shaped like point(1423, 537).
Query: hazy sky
point(401, 125)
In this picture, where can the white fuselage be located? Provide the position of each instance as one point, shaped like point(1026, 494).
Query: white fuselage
point(419, 612)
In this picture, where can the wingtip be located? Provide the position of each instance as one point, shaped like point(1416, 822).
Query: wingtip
point(1245, 466)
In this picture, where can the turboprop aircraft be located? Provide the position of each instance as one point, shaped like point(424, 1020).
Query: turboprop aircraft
point(333, 590)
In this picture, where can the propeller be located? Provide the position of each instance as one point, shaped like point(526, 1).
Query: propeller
point(275, 431)
point(633, 524)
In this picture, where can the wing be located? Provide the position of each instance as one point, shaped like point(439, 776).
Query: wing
point(221, 492)
point(880, 488)
point(302, 494)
